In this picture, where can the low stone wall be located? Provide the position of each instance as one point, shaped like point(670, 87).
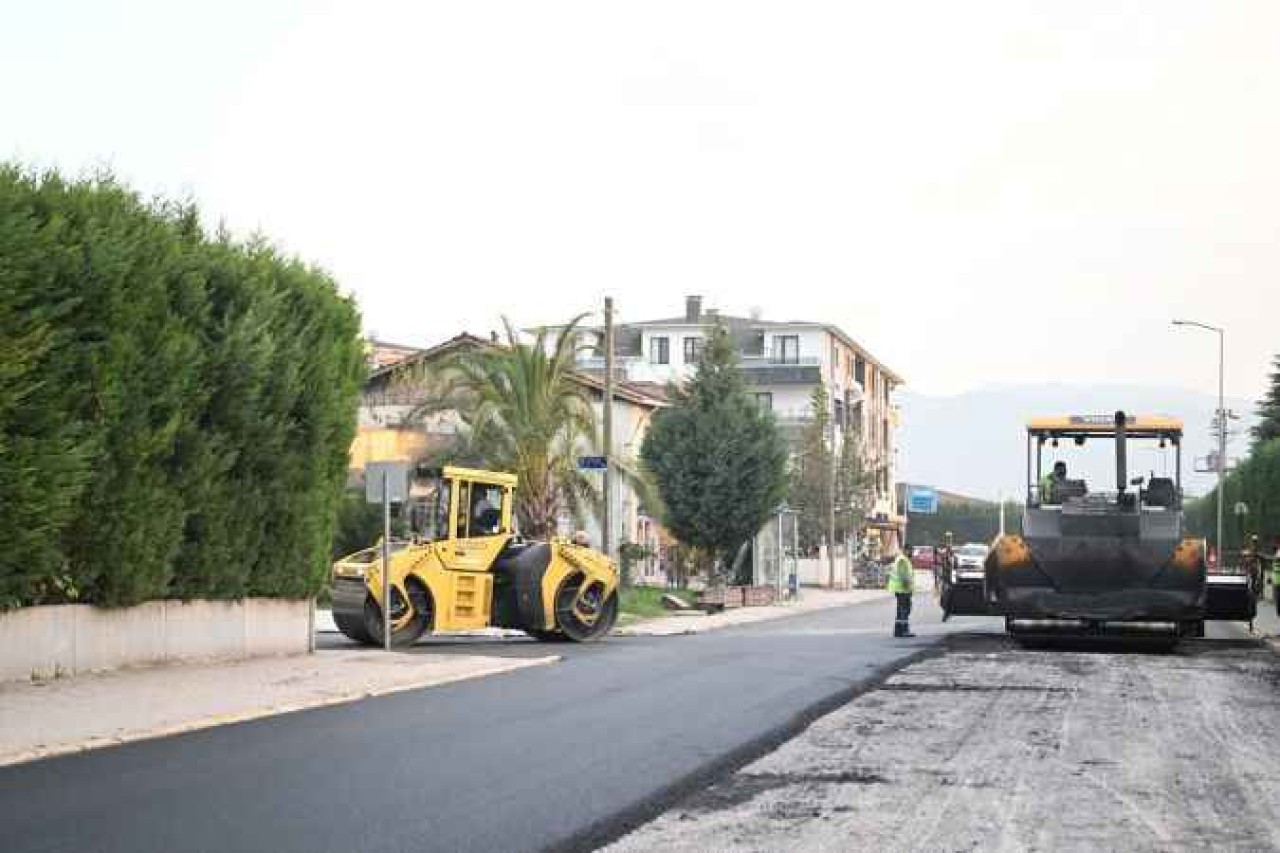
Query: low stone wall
point(65, 639)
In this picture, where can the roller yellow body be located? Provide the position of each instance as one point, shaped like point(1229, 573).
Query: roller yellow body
point(472, 571)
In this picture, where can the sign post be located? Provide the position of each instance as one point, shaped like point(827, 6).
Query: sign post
point(385, 482)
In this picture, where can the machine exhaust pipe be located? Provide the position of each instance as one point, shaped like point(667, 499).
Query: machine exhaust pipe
point(1122, 463)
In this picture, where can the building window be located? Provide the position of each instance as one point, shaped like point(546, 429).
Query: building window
point(764, 399)
point(860, 371)
point(660, 350)
point(786, 349)
point(692, 350)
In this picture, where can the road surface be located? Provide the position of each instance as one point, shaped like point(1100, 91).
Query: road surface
point(553, 756)
point(992, 746)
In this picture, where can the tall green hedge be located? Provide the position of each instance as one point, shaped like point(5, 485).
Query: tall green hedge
point(1256, 483)
point(175, 409)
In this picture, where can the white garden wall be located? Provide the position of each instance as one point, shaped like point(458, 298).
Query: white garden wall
point(73, 638)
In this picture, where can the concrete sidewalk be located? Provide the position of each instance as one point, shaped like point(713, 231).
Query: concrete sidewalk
point(696, 622)
point(42, 719)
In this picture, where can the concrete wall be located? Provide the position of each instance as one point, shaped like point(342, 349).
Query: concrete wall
point(73, 638)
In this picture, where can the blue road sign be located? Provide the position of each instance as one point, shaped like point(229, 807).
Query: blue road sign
point(922, 501)
point(592, 463)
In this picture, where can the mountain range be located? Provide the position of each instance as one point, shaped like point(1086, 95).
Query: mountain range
point(974, 443)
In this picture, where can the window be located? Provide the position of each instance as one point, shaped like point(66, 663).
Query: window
point(860, 371)
point(692, 350)
point(840, 413)
point(786, 349)
point(660, 350)
point(483, 510)
point(764, 399)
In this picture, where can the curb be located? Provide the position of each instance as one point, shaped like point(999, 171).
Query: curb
point(101, 742)
point(632, 630)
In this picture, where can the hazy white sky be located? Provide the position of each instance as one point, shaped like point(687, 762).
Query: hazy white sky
point(980, 192)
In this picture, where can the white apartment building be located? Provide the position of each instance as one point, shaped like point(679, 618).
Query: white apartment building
point(783, 362)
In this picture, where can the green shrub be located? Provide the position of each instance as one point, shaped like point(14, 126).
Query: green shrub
point(175, 410)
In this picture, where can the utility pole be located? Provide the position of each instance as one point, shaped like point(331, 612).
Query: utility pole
point(1220, 419)
point(607, 514)
point(831, 505)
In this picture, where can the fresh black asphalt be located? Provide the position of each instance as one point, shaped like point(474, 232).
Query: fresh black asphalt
point(555, 756)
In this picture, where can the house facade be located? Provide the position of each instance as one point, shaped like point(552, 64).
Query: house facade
point(783, 362)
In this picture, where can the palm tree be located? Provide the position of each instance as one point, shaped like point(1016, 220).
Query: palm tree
point(521, 409)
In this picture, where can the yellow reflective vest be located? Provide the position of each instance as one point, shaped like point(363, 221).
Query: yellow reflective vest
point(902, 576)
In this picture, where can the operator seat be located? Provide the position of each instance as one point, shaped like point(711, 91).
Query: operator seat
point(1160, 492)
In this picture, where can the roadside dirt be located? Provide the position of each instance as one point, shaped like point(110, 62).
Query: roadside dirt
point(996, 747)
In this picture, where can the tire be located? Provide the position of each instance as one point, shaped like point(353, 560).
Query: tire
point(571, 615)
point(408, 633)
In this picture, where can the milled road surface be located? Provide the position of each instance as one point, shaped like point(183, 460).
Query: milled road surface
point(544, 757)
point(991, 746)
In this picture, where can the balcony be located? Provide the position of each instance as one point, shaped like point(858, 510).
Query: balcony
point(775, 370)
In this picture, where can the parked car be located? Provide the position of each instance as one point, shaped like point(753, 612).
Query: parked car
point(924, 557)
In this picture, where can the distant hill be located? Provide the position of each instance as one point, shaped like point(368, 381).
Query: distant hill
point(975, 444)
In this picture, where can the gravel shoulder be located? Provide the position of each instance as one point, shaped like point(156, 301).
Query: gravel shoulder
point(989, 746)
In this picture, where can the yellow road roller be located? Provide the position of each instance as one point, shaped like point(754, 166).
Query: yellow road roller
point(465, 567)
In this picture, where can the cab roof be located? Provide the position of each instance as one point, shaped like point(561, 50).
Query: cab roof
point(475, 475)
point(1135, 425)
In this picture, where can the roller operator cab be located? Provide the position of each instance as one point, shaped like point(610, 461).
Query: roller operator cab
point(1092, 557)
point(463, 567)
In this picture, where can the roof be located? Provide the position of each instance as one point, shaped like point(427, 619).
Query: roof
point(633, 392)
point(496, 478)
point(1104, 424)
point(627, 335)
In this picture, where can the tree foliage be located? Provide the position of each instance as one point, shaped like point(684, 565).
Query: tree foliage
point(978, 521)
point(719, 462)
point(175, 410)
point(1268, 426)
point(1256, 483)
point(827, 475)
point(521, 409)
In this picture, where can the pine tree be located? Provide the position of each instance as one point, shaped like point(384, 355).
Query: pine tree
point(1268, 426)
point(719, 462)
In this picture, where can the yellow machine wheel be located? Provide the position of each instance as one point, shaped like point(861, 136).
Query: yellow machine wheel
point(583, 613)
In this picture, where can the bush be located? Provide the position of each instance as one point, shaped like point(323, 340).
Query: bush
point(175, 410)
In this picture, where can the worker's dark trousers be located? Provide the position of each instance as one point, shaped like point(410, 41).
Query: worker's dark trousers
point(902, 623)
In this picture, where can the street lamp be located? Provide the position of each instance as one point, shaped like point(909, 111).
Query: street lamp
point(1221, 420)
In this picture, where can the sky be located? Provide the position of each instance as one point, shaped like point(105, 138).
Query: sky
point(981, 193)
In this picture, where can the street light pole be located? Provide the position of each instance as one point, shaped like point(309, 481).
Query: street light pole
point(1221, 418)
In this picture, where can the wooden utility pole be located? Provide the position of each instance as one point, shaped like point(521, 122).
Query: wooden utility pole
point(607, 515)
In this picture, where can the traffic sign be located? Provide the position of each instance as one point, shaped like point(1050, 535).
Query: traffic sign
point(592, 463)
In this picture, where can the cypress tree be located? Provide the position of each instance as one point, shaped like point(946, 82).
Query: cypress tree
point(719, 461)
point(1268, 425)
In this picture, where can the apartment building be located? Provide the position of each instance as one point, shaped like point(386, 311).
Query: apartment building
point(784, 361)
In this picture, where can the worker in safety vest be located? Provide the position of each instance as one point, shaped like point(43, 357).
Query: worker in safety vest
point(902, 583)
point(1050, 481)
